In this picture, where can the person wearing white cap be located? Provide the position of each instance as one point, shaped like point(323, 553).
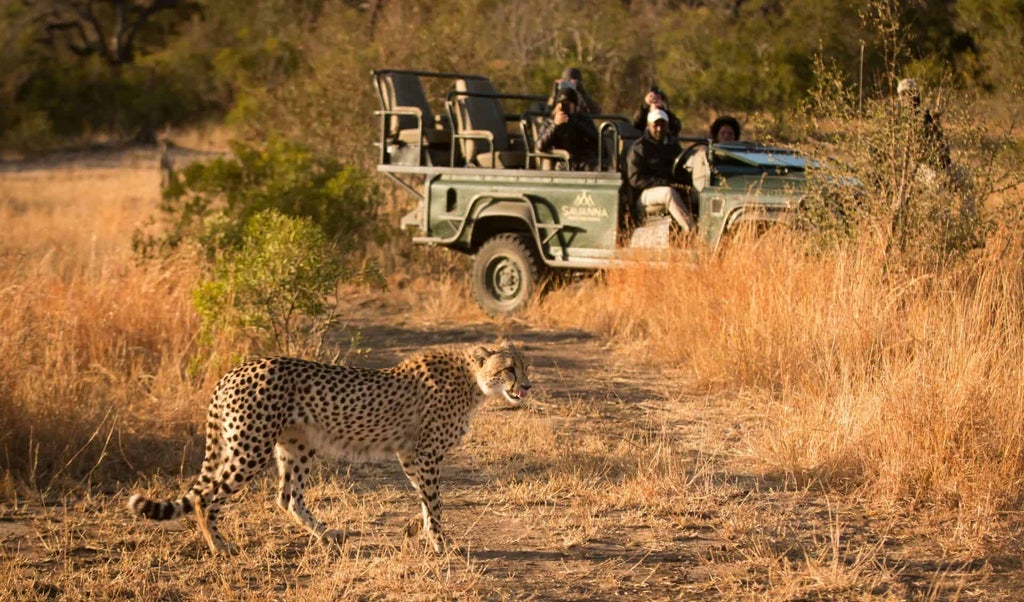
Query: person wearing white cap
point(649, 170)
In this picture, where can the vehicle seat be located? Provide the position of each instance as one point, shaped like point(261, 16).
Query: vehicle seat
point(699, 168)
point(480, 127)
point(627, 136)
point(629, 216)
point(409, 108)
point(546, 160)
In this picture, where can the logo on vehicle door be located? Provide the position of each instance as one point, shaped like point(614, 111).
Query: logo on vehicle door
point(584, 209)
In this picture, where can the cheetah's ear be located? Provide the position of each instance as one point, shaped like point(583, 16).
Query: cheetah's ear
point(505, 344)
point(480, 355)
point(508, 345)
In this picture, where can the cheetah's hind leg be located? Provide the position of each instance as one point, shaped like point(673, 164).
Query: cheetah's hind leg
point(218, 481)
point(293, 460)
point(215, 541)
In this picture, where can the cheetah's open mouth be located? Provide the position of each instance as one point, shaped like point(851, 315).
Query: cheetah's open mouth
point(514, 396)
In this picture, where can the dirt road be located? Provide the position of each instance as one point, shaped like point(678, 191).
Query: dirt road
point(616, 481)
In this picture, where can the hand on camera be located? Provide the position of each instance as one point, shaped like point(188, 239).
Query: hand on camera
point(559, 115)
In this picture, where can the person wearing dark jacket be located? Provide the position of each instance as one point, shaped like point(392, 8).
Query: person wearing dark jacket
point(649, 170)
point(655, 99)
point(571, 130)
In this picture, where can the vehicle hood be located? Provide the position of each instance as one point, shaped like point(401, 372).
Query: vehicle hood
point(756, 155)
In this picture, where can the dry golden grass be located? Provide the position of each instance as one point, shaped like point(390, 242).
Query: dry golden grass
point(96, 348)
point(762, 425)
point(906, 386)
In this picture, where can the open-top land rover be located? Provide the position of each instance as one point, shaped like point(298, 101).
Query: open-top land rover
point(468, 157)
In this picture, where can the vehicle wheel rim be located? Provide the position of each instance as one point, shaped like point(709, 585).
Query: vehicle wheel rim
point(505, 279)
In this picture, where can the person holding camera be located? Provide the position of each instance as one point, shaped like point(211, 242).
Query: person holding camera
point(656, 99)
point(571, 130)
point(572, 78)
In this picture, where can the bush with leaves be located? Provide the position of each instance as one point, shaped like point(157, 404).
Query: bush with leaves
point(278, 287)
point(882, 189)
point(211, 202)
point(886, 178)
point(277, 225)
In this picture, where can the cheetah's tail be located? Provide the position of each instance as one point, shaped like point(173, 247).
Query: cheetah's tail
point(157, 510)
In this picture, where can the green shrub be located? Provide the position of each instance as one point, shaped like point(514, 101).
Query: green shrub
point(278, 287)
point(210, 203)
point(888, 179)
point(276, 225)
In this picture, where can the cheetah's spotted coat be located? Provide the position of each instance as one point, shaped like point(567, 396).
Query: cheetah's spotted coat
point(293, 409)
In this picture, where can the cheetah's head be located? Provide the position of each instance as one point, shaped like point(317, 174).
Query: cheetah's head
point(502, 371)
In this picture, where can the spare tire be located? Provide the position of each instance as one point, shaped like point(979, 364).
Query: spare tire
point(505, 273)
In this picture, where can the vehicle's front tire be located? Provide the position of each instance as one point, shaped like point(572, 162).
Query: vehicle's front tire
point(505, 274)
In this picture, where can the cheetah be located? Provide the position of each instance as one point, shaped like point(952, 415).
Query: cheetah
point(294, 410)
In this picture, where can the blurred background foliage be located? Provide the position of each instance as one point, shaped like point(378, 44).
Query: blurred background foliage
point(299, 69)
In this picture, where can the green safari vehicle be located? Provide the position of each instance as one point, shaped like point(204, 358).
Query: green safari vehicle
point(482, 190)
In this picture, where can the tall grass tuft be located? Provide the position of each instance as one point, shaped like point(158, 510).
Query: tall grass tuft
point(95, 352)
point(91, 369)
point(910, 385)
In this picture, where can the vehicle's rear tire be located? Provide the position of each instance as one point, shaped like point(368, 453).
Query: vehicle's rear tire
point(505, 274)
